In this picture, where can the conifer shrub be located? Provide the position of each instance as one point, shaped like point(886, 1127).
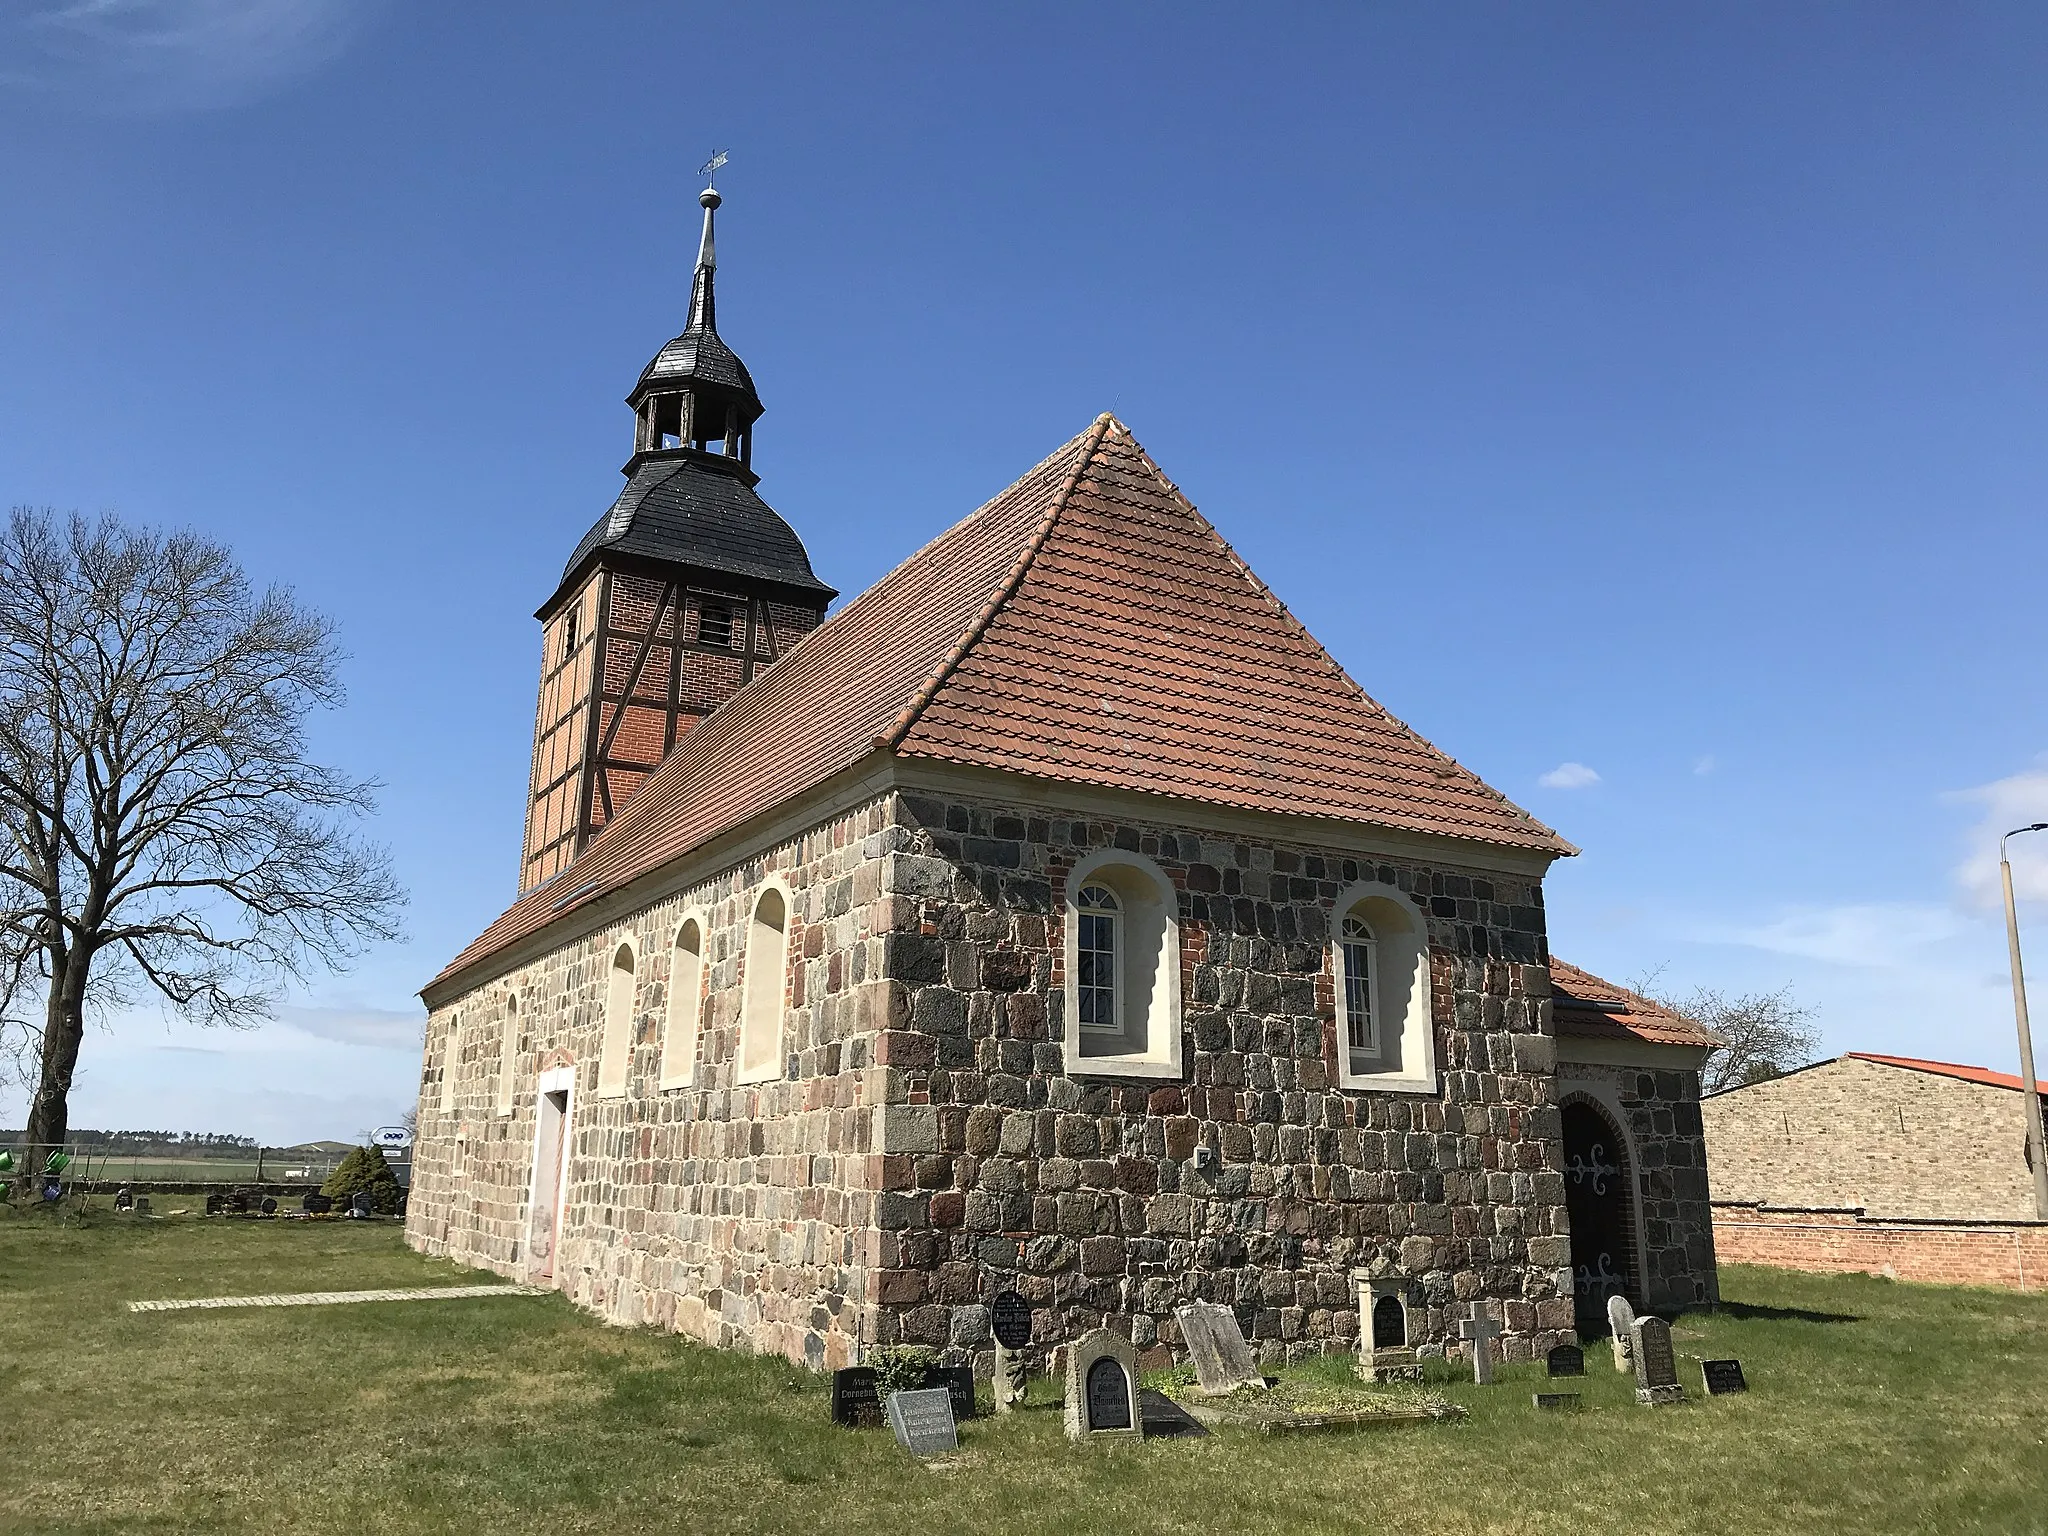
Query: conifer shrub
point(364, 1169)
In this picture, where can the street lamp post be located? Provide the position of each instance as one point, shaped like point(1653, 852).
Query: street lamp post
point(2030, 1099)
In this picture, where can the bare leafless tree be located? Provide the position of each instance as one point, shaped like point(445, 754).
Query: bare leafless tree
point(161, 829)
point(1763, 1034)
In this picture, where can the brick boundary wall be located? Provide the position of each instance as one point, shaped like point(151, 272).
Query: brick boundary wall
point(2011, 1255)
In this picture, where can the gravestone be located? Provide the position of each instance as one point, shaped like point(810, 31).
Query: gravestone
point(1385, 1350)
point(142, 1205)
point(1656, 1370)
point(1720, 1377)
point(1555, 1399)
point(124, 1199)
point(1566, 1360)
point(1102, 1386)
point(1481, 1329)
point(1621, 1317)
point(1009, 1317)
point(316, 1205)
point(856, 1398)
point(957, 1381)
point(923, 1421)
point(1223, 1361)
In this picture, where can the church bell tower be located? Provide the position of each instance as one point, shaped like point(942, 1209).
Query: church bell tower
point(681, 592)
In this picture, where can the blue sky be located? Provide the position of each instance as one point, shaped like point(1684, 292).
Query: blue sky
point(1645, 404)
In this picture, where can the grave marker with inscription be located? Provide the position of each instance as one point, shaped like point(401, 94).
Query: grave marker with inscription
point(1555, 1399)
point(957, 1381)
point(1566, 1360)
point(1656, 1370)
point(1223, 1360)
point(1102, 1386)
point(1721, 1377)
point(856, 1398)
point(1009, 1316)
point(923, 1421)
point(1385, 1351)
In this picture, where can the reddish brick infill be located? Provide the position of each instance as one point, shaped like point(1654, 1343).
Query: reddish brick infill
point(2011, 1255)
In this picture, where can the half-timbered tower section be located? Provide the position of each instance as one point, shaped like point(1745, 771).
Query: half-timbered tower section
point(687, 587)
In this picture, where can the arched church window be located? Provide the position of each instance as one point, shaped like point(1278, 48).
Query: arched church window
point(508, 1054)
point(1380, 962)
point(1122, 968)
point(451, 1058)
point(767, 960)
point(1095, 990)
point(616, 1060)
point(685, 1004)
point(1361, 1024)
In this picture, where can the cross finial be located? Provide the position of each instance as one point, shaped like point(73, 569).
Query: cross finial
point(709, 169)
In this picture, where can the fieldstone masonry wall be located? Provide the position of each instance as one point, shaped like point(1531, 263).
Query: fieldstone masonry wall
point(928, 1147)
point(742, 1215)
point(1085, 1193)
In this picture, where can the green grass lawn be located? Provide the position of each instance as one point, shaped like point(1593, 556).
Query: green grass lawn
point(1873, 1407)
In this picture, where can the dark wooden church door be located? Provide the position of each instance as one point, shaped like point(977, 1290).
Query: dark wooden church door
point(1599, 1190)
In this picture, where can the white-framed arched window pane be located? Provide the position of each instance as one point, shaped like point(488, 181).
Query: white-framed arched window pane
point(763, 986)
point(508, 1055)
point(1095, 988)
point(1361, 972)
point(451, 1058)
point(616, 1060)
point(685, 1003)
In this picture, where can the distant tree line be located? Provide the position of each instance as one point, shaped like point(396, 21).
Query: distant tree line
point(187, 1143)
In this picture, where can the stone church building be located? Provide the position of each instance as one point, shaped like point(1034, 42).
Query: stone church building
point(1058, 916)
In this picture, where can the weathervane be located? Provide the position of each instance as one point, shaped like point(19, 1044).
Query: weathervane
point(709, 169)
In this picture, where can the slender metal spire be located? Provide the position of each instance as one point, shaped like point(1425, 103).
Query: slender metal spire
point(703, 302)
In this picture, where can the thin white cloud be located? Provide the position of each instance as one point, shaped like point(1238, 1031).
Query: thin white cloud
point(2016, 801)
point(385, 1028)
point(130, 56)
point(1569, 776)
point(1863, 936)
point(1704, 765)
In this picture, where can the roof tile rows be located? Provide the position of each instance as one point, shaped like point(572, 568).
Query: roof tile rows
point(1982, 1075)
point(1086, 626)
point(1585, 1007)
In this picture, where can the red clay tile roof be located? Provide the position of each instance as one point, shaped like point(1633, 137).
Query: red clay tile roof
point(1984, 1075)
point(1087, 626)
point(1583, 1006)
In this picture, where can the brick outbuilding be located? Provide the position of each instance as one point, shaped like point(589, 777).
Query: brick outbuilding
point(1886, 1164)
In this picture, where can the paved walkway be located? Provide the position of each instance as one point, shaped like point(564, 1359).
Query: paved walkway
point(335, 1298)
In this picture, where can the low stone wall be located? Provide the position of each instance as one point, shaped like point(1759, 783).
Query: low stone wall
point(2012, 1255)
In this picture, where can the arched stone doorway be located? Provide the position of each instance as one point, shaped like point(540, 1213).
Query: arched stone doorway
point(1599, 1195)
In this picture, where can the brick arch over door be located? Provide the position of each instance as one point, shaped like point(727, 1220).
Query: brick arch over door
point(1603, 1198)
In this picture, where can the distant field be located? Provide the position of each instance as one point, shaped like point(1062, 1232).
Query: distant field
point(197, 1170)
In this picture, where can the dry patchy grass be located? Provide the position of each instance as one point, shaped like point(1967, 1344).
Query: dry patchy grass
point(1874, 1407)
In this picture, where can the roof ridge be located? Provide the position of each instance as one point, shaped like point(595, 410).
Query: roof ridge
point(907, 717)
point(1316, 646)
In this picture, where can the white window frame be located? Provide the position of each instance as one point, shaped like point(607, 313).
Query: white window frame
point(1114, 913)
point(1346, 944)
point(1406, 1023)
point(764, 988)
point(1149, 961)
point(684, 1010)
point(451, 1057)
point(508, 1054)
point(621, 1004)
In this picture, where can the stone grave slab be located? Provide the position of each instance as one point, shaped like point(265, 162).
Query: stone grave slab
point(1721, 1377)
point(1555, 1400)
point(1223, 1360)
point(923, 1421)
point(1385, 1351)
point(856, 1398)
point(1565, 1360)
point(1102, 1386)
point(1161, 1418)
point(1656, 1369)
point(1621, 1317)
